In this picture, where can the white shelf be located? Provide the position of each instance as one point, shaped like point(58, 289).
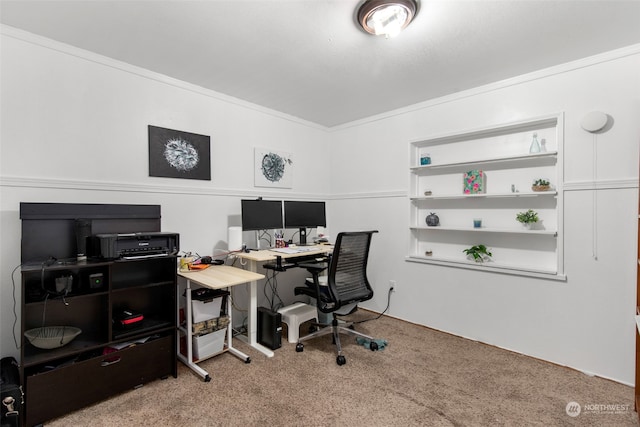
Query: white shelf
point(491, 266)
point(529, 125)
point(502, 153)
point(486, 195)
point(485, 162)
point(488, 230)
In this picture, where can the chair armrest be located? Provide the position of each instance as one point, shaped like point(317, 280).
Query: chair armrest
point(314, 267)
point(320, 292)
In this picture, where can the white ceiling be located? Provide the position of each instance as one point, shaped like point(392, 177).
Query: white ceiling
point(308, 59)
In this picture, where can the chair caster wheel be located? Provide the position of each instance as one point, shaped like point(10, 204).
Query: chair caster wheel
point(373, 346)
point(299, 347)
point(340, 360)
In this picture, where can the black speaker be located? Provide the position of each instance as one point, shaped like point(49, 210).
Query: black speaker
point(269, 328)
point(83, 231)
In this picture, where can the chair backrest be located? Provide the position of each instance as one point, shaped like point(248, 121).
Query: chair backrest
point(347, 277)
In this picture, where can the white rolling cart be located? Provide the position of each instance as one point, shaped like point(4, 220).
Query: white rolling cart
point(214, 277)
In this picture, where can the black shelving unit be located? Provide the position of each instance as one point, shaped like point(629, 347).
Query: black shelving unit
point(98, 363)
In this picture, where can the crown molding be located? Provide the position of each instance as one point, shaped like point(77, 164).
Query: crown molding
point(144, 73)
point(524, 78)
point(76, 52)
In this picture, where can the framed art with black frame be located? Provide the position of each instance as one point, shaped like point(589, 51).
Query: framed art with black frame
point(178, 154)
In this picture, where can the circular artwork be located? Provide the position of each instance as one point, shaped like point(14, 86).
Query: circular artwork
point(181, 154)
point(273, 167)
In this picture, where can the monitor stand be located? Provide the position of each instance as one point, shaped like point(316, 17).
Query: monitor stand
point(303, 237)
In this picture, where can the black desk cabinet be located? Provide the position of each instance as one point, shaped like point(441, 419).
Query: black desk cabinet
point(105, 358)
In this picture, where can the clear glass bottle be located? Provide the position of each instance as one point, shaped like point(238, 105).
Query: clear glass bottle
point(535, 145)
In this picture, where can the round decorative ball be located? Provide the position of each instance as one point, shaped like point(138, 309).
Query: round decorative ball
point(433, 220)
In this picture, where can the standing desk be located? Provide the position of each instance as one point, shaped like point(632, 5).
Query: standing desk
point(214, 277)
point(258, 257)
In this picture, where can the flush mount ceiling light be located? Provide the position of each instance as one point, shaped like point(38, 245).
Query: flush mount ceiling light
point(386, 17)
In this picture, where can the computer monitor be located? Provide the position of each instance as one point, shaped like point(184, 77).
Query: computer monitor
point(303, 215)
point(261, 215)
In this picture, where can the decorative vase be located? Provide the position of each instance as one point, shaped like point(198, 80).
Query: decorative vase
point(535, 145)
point(433, 220)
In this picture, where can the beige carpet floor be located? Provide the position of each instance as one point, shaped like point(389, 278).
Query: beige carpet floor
point(422, 378)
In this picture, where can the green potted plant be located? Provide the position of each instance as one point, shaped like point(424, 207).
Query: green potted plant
point(528, 218)
point(540, 184)
point(479, 253)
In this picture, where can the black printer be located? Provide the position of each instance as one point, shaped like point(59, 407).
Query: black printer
point(134, 245)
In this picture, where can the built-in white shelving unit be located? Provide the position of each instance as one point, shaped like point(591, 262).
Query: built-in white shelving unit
point(502, 153)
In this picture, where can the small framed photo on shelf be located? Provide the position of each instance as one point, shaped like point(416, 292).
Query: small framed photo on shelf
point(474, 182)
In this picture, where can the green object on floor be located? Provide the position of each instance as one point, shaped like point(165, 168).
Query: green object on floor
point(367, 343)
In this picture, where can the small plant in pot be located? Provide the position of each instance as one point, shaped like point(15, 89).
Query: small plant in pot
point(528, 218)
point(479, 253)
point(541, 184)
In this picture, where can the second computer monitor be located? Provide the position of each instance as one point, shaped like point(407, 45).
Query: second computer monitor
point(303, 215)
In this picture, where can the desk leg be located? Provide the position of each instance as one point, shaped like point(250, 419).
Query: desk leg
point(252, 327)
point(188, 360)
point(230, 346)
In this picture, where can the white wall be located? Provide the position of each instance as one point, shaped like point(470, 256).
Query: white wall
point(74, 130)
point(586, 322)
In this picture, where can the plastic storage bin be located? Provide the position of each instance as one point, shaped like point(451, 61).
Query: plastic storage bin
point(206, 303)
point(209, 344)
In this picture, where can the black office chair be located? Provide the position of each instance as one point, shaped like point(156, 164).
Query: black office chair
point(346, 285)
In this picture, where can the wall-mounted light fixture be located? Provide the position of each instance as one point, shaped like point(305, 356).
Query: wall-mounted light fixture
point(386, 17)
point(594, 121)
